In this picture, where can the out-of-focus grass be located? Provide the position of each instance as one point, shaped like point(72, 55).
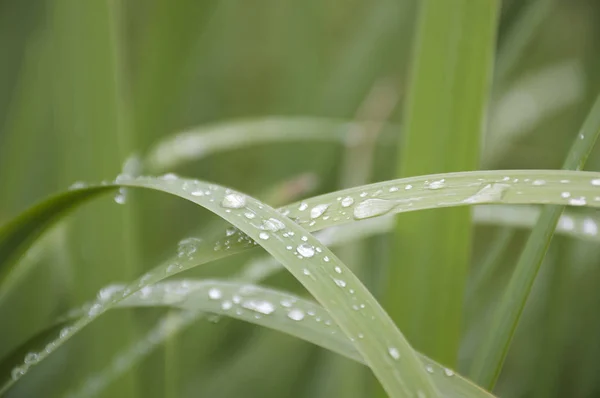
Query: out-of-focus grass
point(82, 86)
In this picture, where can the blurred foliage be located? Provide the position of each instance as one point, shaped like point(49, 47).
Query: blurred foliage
point(83, 85)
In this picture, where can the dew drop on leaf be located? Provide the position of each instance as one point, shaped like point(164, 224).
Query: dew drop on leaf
point(214, 293)
point(296, 314)
point(318, 210)
point(347, 201)
point(261, 306)
point(306, 250)
point(234, 201)
point(489, 193)
point(373, 208)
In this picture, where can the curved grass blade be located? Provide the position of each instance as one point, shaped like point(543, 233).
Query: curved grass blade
point(291, 314)
point(324, 276)
point(18, 234)
point(488, 361)
point(395, 196)
point(205, 140)
point(358, 203)
point(574, 224)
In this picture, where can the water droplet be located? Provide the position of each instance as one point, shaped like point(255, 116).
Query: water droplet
point(273, 224)
point(234, 201)
point(198, 192)
point(106, 293)
point(286, 303)
point(170, 177)
point(121, 196)
point(230, 231)
point(489, 193)
point(263, 235)
point(303, 206)
point(318, 210)
point(596, 182)
point(393, 189)
point(338, 270)
point(188, 246)
point(429, 368)
point(77, 185)
point(95, 310)
point(565, 195)
point(261, 306)
point(32, 358)
point(340, 283)
point(578, 201)
point(306, 250)
point(408, 186)
point(296, 314)
point(539, 182)
point(437, 184)
point(347, 201)
point(226, 305)
point(214, 293)
point(249, 215)
point(363, 194)
point(373, 208)
point(590, 227)
point(306, 272)
point(566, 223)
point(448, 372)
point(394, 353)
point(304, 238)
point(326, 259)
point(17, 372)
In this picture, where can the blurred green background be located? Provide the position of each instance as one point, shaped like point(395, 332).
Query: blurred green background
point(86, 84)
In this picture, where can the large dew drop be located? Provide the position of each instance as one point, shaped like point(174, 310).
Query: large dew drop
point(214, 293)
point(437, 184)
point(261, 306)
point(273, 225)
point(318, 210)
point(489, 193)
point(234, 201)
point(306, 250)
point(373, 208)
point(394, 353)
point(296, 314)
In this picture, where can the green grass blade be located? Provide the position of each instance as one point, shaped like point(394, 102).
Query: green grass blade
point(512, 47)
point(359, 203)
point(324, 276)
point(488, 361)
point(292, 315)
point(453, 189)
point(202, 141)
point(446, 109)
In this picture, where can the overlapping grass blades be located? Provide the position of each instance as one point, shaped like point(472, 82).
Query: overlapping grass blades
point(290, 314)
point(314, 266)
point(445, 111)
point(488, 362)
point(336, 208)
